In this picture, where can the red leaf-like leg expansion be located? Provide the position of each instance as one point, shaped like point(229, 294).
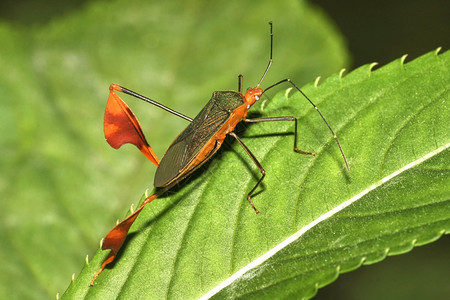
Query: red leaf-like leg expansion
point(116, 237)
point(121, 126)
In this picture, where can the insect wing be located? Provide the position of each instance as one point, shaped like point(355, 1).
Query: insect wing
point(190, 142)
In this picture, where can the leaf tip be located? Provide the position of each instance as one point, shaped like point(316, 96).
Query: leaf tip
point(287, 92)
point(402, 59)
point(363, 259)
point(263, 104)
point(316, 82)
point(372, 66)
point(436, 52)
point(338, 269)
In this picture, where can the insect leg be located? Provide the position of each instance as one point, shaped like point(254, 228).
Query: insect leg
point(270, 119)
point(240, 79)
point(257, 163)
point(143, 98)
point(121, 126)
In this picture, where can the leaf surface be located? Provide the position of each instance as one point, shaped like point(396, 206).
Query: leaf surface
point(316, 220)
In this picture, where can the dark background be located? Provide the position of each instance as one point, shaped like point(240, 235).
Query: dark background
point(375, 31)
point(381, 31)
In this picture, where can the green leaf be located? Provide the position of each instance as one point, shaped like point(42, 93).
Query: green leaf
point(62, 186)
point(316, 219)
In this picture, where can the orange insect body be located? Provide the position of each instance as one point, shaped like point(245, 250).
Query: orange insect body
point(121, 127)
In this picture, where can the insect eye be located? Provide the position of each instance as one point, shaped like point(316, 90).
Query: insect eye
point(256, 97)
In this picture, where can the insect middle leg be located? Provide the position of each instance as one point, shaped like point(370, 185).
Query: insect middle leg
point(257, 163)
point(292, 119)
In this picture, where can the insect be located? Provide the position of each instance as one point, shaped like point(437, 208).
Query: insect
point(195, 145)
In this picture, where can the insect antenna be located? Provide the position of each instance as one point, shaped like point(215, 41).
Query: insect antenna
point(317, 109)
point(270, 59)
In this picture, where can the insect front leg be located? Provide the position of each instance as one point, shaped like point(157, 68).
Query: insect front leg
point(273, 119)
point(318, 111)
point(257, 163)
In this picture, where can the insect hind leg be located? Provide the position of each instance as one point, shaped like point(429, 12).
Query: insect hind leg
point(258, 164)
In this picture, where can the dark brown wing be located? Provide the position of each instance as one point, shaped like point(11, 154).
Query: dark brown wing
point(192, 139)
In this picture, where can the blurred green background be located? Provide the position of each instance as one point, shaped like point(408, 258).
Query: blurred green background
point(378, 31)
